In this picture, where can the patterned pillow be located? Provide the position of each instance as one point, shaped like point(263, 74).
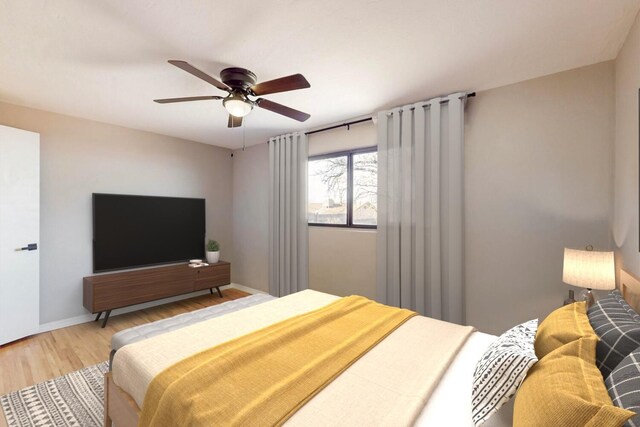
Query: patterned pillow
point(617, 307)
point(625, 305)
point(623, 385)
point(501, 370)
point(618, 331)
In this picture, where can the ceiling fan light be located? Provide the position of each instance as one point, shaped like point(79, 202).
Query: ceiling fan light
point(237, 107)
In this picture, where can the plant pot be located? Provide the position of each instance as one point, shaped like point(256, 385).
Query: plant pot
point(213, 257)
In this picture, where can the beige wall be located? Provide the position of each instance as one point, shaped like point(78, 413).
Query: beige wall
point(342, 261)
point(538, 178)
point(361, 135)
point(80, 157)
point(251, 217)
point(625, 219)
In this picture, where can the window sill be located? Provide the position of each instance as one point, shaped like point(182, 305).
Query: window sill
point(346, 227)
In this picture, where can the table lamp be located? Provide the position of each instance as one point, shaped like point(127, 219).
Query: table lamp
point(589, 269)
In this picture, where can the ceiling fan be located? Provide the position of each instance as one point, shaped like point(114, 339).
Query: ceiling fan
point(241, 84)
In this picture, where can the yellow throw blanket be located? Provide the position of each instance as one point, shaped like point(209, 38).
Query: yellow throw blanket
point(264, 377)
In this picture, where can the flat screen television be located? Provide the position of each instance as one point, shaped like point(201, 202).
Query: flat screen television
point(136, 231)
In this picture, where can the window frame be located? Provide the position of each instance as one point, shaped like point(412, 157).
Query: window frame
point(349, 154)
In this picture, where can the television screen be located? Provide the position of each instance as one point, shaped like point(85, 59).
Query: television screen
point(134, 231)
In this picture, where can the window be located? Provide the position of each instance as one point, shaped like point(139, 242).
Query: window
point(343, 189)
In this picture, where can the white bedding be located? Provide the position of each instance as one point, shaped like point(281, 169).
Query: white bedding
point(450, 403)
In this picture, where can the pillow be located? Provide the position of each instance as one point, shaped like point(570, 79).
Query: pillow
point(623, 385)
point(618, 331)
point(625, 305)
point(565, 388)
point(501, 369)
point(617, 307)
point(563, 326)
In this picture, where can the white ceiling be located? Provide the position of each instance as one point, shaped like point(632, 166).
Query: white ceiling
point(106, 59)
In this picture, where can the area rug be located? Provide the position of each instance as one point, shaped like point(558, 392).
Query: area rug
point(72, 400)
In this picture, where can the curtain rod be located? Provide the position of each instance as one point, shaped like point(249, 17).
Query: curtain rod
point(348, 124)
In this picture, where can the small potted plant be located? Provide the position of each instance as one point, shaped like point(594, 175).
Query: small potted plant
point(213, 252)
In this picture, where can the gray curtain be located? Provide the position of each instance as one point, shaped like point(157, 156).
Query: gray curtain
point(420, 207)
point(288, 234)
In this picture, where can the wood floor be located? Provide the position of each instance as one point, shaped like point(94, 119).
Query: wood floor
point(51, 354)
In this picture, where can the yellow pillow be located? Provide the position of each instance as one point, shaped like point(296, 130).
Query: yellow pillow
point(566, 389)
point(563, 326)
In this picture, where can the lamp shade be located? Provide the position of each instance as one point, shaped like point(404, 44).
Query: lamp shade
point(237, 106)
point(589, 269)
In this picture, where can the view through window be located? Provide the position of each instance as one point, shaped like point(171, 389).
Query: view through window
point(343, 189)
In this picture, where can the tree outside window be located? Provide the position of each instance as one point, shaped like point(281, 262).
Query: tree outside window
point(343, 189)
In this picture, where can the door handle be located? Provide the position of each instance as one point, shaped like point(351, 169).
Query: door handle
point(29, 247)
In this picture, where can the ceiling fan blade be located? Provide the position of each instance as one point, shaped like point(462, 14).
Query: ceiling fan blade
point(234, 122)
point(189, 98)
point(282, 109)
point(200, 74)
point(283, 84)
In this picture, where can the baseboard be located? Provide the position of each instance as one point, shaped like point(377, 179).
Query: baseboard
point(243, 288)
point(84, 318)
point(57, 324)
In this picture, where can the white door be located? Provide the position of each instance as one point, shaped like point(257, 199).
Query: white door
point(19, 232)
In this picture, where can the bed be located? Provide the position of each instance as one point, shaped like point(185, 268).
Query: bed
point(404, 380)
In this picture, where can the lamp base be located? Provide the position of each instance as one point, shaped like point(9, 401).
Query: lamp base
point(587, 296)
point(570, 299)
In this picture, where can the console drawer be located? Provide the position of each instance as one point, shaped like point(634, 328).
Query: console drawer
point(213, 276)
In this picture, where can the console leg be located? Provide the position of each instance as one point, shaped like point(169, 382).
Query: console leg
point(106, 317)
point(98, 317)
point(211, 291)
point(219, 291)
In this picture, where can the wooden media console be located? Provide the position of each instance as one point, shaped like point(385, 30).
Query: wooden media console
point(106, 292)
